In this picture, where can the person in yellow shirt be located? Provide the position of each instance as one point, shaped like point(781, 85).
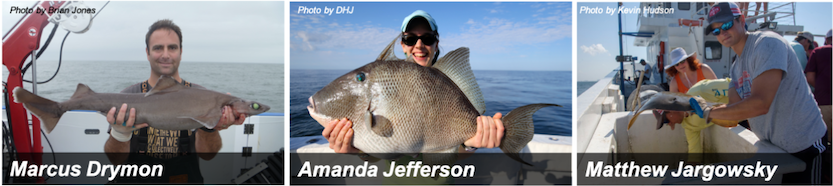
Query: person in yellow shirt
point(712, 90)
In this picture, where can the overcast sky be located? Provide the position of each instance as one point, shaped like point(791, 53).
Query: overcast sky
point(213, 31)
point(500, 36)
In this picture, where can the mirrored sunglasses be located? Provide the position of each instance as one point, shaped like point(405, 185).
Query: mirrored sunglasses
point(725, 26)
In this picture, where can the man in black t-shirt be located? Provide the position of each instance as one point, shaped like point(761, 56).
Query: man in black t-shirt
point(177, 151)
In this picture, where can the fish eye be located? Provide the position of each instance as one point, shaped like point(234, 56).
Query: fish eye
point(255, 106)
point(360, 76)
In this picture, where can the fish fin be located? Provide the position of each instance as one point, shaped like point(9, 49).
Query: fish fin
point(379, 124)
point(633, 119)
point(388, 53)
point(165, 83)
point(82, 90)
point(48, 111)
point(455, 65)
point(519, 129)
point(443, 157)
point(210, 119)
point(208, 122)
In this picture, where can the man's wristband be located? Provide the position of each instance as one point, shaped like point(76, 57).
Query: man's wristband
point(121, 136)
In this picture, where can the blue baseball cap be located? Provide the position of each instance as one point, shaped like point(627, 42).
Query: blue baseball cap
point(419, 13)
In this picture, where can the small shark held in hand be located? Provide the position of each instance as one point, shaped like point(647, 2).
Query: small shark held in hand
point(168, 106)
point(671, 101)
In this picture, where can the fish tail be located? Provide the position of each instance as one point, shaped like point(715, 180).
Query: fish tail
point(636, 114)
point(519, 130)
point(48, 111)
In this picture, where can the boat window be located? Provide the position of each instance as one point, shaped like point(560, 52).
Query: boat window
point(684, 5)
point(666, 5)
point(713, 50)
point(699, 6)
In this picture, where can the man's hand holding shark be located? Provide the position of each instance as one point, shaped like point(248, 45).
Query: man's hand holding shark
point(122, 128)
point(675, 105)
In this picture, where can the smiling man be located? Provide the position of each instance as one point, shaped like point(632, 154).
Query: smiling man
point(768, 88)
point(177, 151)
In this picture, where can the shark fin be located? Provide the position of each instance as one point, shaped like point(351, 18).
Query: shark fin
point(81, 91)
point(165, 83)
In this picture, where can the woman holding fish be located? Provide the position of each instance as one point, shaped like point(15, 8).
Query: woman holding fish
point(420, 42)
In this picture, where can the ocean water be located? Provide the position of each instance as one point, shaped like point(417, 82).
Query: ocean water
point(582, 86)
point(502, 90)
point(259, 82)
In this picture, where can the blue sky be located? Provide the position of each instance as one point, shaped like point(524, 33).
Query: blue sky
point(598, 42)
point(501, 36)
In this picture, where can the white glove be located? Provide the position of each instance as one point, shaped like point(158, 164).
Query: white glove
point(121, 129)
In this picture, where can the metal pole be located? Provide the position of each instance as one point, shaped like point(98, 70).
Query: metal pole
point(621, 64)
point(793, 13)
point(36, 128)
point(34, 73)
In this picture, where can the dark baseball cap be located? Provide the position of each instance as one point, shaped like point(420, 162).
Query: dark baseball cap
point(721, 13)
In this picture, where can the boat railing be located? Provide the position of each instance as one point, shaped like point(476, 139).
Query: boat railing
point(783, 13)
point(601, 98)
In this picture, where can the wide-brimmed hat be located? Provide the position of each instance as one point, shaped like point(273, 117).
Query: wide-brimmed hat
point(419, 13)
point(678, 55)
point(806, 34)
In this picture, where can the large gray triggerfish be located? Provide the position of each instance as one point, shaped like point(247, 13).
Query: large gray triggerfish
point(401, 108)
point(168, 106)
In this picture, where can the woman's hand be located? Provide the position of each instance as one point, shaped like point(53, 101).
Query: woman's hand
point(340, 135)
point(489, 132)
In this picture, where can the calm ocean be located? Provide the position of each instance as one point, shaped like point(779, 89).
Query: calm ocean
point(259, 82)
point(503, 91)
point(582, 86)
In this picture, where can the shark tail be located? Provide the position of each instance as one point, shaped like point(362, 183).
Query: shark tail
point(48, 111)
point(519, 130)
point(633, 119)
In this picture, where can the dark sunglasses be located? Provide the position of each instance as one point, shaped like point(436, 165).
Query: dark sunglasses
point(725, 26)
point(427, 39)
point(801, 38)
